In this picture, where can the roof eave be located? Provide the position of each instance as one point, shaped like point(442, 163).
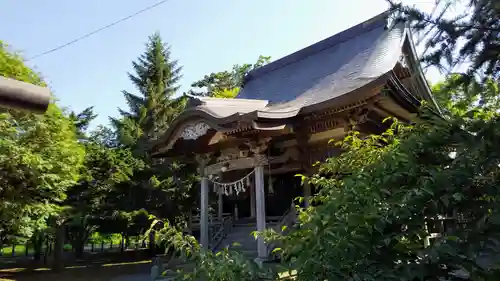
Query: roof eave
point(420, 74)
point(193, 113)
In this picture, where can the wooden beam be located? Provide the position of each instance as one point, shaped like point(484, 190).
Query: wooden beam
point(285, 169)
point(292, 153)
point(330, 134)
point(236, 164)
point(248, 162)
point(337, 132)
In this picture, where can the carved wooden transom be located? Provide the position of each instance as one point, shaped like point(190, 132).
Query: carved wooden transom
point(194, 131)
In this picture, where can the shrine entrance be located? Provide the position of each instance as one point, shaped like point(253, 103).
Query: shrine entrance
point(280, 191)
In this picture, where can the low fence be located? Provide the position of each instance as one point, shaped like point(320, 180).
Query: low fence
point(27, 250)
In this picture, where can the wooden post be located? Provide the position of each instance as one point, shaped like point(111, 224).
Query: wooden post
point(236, 215)
point(260, 209)
point(307, 193)
point(202, 160)
point(302, 136)
point(252, 200)
point(204, 212)
point(220, 204)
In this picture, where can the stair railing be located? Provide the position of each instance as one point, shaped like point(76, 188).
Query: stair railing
point(287, 220)
point(221, 232)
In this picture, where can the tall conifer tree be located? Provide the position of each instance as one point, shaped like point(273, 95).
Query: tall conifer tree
point(156, 76)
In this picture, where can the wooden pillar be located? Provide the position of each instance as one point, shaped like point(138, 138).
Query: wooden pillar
point(220, 205)
point(252, 200)
point(236, 215)
point(204, 239)
point(307, 193)
point(260, 209)
point(220, 202)
point(204, 213)
point(302, 136)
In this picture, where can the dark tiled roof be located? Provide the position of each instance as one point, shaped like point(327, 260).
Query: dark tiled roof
point(328, 69)
point(313, 76)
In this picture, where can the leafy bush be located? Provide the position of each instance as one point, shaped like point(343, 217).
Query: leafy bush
point(226, 265)
point(379, 202)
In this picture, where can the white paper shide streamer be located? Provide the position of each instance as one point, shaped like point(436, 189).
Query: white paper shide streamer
point(235, 187)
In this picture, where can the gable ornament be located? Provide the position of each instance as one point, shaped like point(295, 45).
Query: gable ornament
point(194, 131)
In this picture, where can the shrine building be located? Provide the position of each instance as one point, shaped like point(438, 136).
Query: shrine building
point(249, 149)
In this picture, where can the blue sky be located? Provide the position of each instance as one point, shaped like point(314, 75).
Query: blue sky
point(206, 36)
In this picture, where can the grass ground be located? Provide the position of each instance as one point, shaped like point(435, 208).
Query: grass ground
point(91, 267)
point(99, 272)
point(96, 268)
point(20, 250)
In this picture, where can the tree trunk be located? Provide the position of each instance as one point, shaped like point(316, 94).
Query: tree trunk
point(37, 246)
point(122, 244)
point(190, 220)
point(57, 263)
point(78, 243)
point(47, 250)
point(152, 242)
point(79, 249)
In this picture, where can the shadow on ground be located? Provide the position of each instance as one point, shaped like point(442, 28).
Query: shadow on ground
point(97, 268)
point(130, 271)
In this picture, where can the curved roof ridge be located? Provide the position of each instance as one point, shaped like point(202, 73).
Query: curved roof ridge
point(345, 35)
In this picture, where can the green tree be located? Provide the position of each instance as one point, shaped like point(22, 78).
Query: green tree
point(459, 99)
point(226, 84)
point(40, 158)
point(157, 188)
point(383, 197)
point(12, 66)
point(82, 121)
point(471, 36)
point(88, 201)
point(106, 136)
point(150, 112)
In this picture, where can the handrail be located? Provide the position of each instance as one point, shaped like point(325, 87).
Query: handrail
point(218, 236)
point(287, 220)
point(211, 218)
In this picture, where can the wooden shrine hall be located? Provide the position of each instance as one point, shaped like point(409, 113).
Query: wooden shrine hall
point(249, 148)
